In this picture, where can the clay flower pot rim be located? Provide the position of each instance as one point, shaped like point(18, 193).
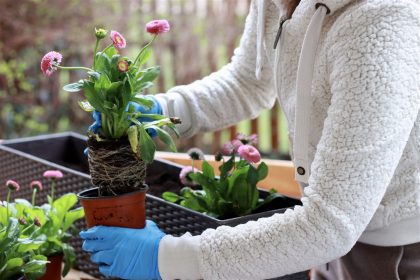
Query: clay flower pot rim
point(84, 194)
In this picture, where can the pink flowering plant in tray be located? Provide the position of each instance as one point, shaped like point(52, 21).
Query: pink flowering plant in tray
point(113, 91)
point(234, 193)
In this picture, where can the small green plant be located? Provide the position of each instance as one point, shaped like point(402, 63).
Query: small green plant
point(52, 222)
point(234, 192)
point(18, 249)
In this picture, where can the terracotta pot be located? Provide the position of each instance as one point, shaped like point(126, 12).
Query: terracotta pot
point(54, 266)
point(126, 210)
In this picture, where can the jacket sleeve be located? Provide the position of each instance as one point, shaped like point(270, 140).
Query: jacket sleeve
point(374, 62)
point(227, 96)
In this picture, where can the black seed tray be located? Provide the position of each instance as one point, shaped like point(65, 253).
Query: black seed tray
point(26, 159)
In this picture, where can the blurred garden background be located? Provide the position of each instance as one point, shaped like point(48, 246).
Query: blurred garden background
point(202, 39)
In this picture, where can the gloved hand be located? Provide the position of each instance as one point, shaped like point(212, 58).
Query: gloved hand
point(154, 109)
point(124, 252)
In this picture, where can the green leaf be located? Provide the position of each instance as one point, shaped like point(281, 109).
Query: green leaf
point(226, 167)
point(148, 75)
point(95, 99)
point(140, 87)
point(28, 244)
point(74, 87)
point(102, 84)
point(35, 268)
point(69, 258)
point(133, 138)
point(262, 171)
point(147, 146)
point(172, 197)
point(143, 101)
point(166, 138)
point(72, 216)
point(85, 105)
point(61, 206)
point(207, 170)
point(144, 57)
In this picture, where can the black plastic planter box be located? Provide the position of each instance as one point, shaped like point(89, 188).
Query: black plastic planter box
point(26, 159)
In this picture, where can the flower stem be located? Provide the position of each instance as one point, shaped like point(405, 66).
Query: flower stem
point(107, 47)
point(73, 68)
point(7, 206)
point(94, 52)
point(33, 196)
point(52, 189)
point(143, 49)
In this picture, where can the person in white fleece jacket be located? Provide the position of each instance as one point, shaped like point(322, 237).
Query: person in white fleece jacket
point(347, 75)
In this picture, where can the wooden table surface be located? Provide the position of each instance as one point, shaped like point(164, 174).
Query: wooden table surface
point(77, 275)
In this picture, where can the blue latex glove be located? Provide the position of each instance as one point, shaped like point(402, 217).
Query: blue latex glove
point(124, 252)
point(154, 109)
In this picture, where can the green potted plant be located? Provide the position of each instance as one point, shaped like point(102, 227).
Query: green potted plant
point(55, 225)
point(120, 143)
point(232, 194)
point(19, 242)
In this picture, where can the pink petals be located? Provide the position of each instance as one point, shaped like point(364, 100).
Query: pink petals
point(12, 185)
point(49, 62)
point(36, 185)
point(53, 174)
point(118, 40)
point(158, 26)
point(183, 175)
point(249, 153)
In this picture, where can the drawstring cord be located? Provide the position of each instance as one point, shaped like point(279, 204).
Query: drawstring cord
point(303, 93)
point(260, 37)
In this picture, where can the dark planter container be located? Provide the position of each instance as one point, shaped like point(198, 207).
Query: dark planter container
point(53, 271)
point(26, 159)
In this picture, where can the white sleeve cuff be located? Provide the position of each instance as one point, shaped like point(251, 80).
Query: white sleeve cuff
point(174, 105)
point(178, 257)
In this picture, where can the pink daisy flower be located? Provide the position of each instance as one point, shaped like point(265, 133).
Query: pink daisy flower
point(118, 40)
point(158, 26)
point(53, 174)
point(12, 185)
point(183, 175)
point(36, 185)
point(49, 62)
point(249, 153)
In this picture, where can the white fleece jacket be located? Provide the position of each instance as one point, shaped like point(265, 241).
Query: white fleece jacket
point(364, 138)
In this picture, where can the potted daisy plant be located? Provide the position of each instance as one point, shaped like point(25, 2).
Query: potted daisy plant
point(120, 143)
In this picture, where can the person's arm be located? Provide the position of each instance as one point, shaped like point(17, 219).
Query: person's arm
point(226, 96)
point(374, 77)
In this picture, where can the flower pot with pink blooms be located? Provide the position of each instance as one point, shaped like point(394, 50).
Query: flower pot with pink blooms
point(232, 194)
point(120, 142)
point(43, 231)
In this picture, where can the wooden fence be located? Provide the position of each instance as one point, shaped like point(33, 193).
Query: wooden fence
point(203, 37)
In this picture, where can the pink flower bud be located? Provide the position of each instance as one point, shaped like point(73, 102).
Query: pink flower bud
point(158, 26)
point(22, 221)
point(249, 153)
point(37, 222)
point(118, 40)
point(228, 149)
point(236, 144)
point(12, 185)
point(36, 185)
point(122, 66)
point(53, 174)
point(183, 175)
point(49, 62)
